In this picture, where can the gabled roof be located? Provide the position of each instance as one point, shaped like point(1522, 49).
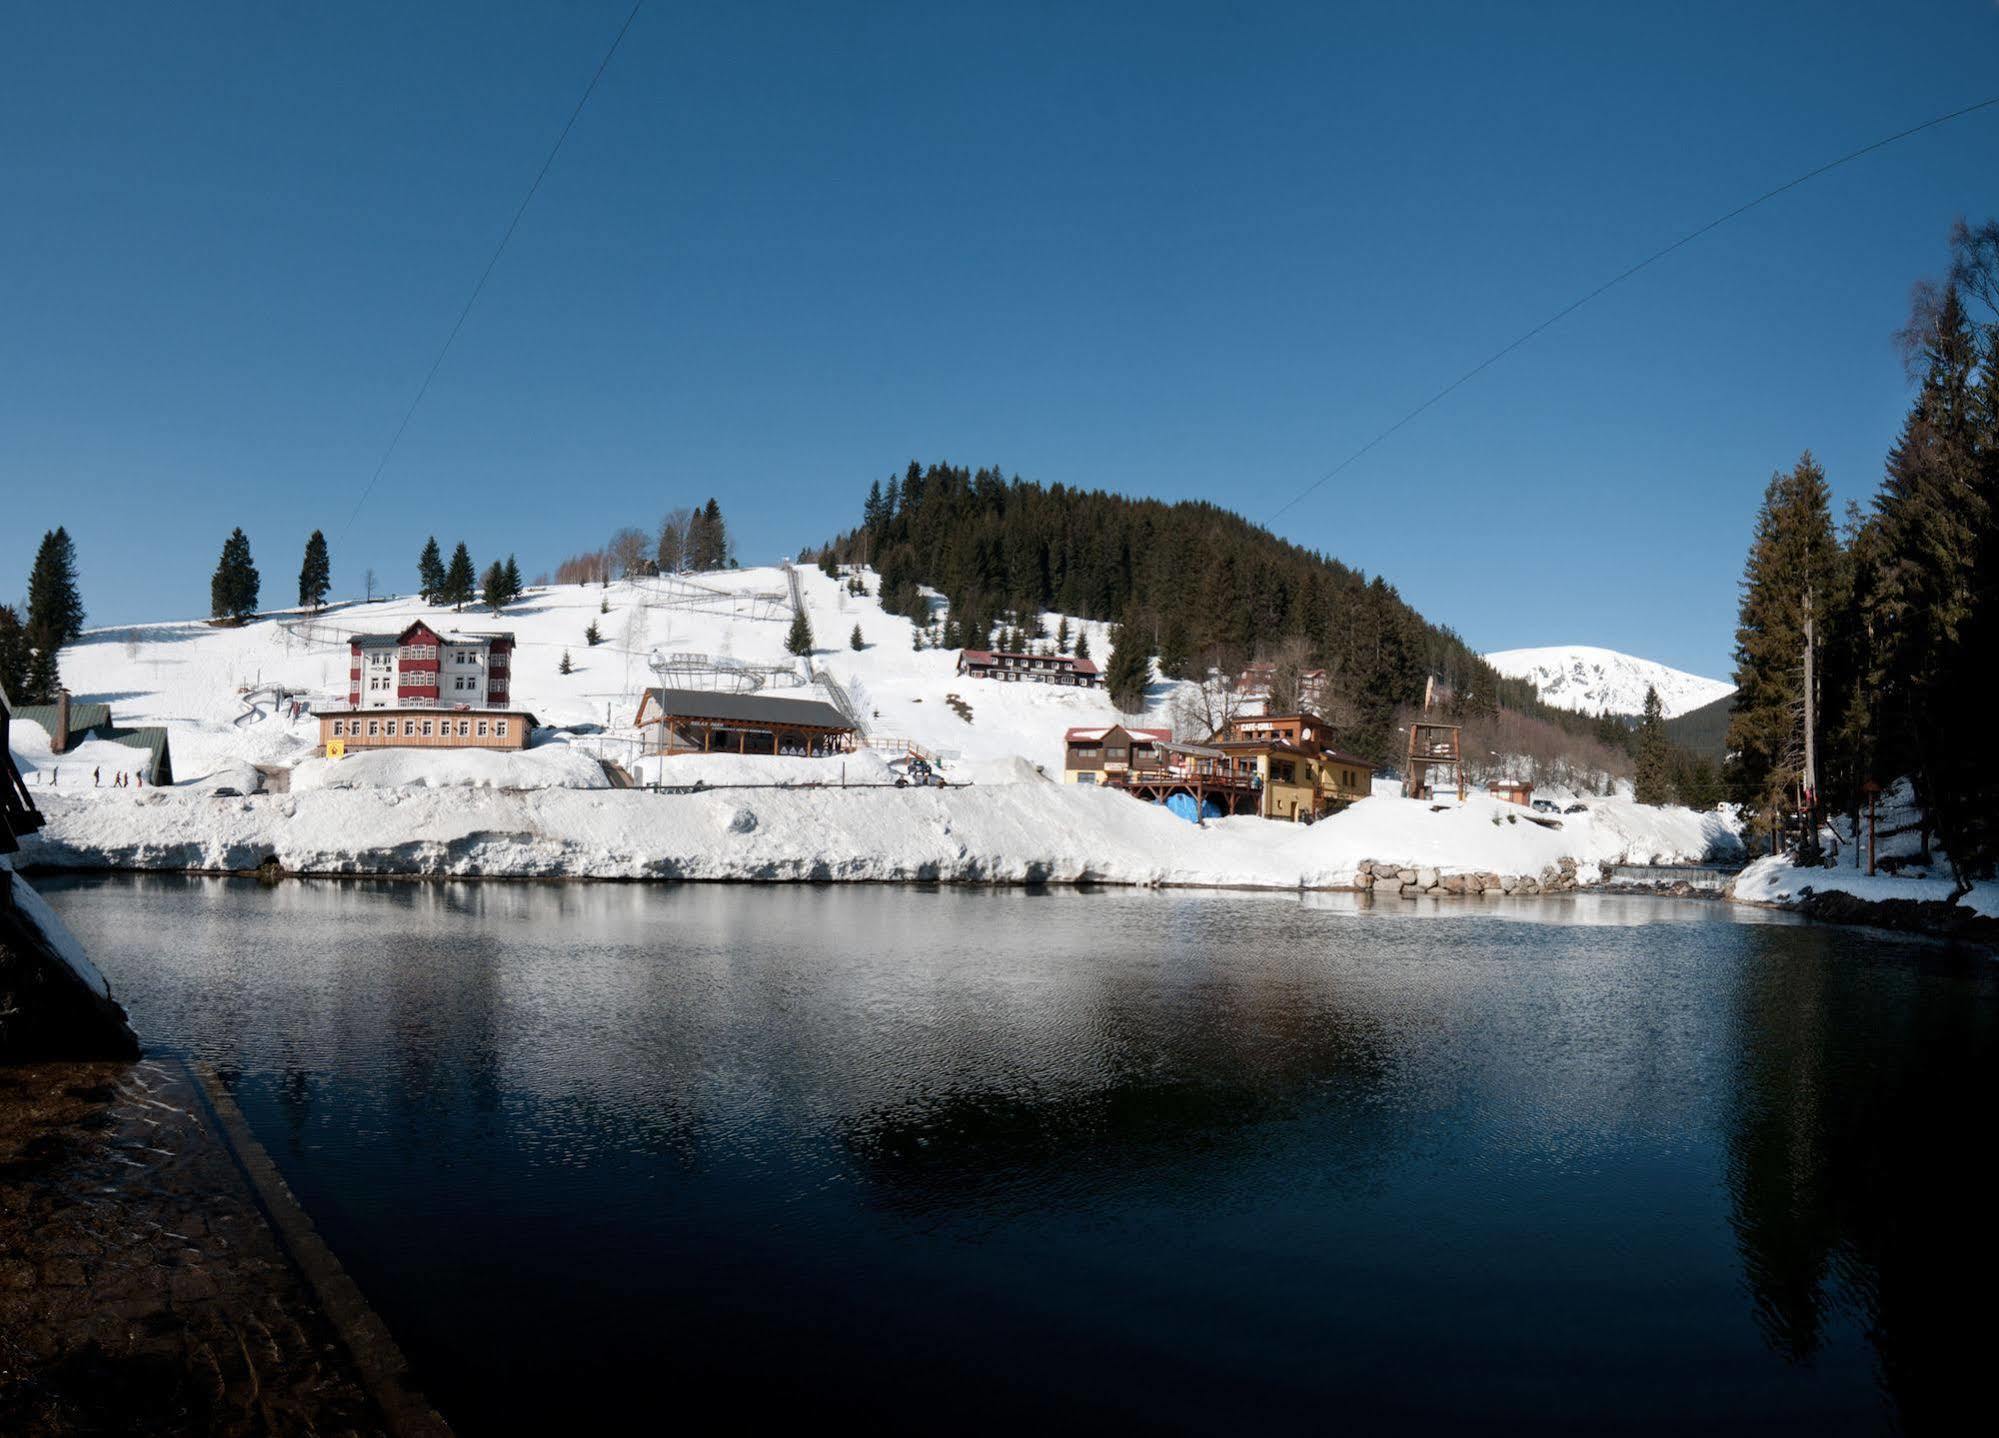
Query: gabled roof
point(444, 636)
point(1088, 733)
point(743, 708)
point(993, 656)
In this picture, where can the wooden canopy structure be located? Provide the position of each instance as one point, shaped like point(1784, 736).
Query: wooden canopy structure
point(707, 721)
point(1433, 749)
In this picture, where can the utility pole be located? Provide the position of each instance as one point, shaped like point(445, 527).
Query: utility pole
point(1810, 783)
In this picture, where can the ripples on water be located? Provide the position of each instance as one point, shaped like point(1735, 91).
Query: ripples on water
point(972, 1158)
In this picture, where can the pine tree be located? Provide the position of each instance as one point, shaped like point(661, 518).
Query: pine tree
point(1792, 574)
point(315, 576)
point(1082, 644)
point(44, 679)
point(460, 580)
point(55, 611)
point(1654, 781)
point(1129, 671)
point(1062, 636)
point(493, 586)
point(565, 666)
point(591, 636)
point(235, 586)
point(1933, 512)
point(15, 654)
point(799, 639)
point(515, 589)
point(873, 517)
point(430, 572)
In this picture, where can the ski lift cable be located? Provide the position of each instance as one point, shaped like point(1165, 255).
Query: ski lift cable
point(1611, 283)
point(486, 273)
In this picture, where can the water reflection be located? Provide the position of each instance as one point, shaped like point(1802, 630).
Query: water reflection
point(1859, 1181)
point(1178, 1160)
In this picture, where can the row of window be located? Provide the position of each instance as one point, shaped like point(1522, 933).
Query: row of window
point(415, 728)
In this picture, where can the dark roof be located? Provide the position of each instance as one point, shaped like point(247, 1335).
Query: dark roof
point(993, 656)
point(747, 708)
point(445, 636)
point(426, 711)
point(81, 716)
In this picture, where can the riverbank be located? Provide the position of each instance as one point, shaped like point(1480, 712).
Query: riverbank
point(1883, 901)
point(998, 833)
point(144, 1287)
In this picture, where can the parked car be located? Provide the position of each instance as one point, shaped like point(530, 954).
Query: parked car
point(1576, 809)
point(1547, 806)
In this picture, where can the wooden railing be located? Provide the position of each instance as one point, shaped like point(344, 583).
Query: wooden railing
point(18, 814)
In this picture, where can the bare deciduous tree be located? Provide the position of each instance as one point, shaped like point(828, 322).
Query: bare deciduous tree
point(629, 550)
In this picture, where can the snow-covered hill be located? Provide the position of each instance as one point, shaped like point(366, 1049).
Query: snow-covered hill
point(1593, 680)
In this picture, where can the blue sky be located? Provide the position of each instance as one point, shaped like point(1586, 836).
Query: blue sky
point(1187, 251)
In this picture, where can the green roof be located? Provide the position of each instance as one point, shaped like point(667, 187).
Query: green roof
point(82, 717)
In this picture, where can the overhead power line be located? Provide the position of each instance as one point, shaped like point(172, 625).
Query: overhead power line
point(486, 273)
point(1501, 353)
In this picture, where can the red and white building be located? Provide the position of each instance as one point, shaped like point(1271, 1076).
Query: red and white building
point(422, 668)
point(1064, 669)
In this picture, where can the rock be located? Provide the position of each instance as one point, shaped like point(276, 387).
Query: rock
point(1365, 866)
point(1427, 878)
point(1453, 884)
point(1509, 884)
point(1529, 886)
point(743, 821)
point(1410, 891)
point(1407, 876)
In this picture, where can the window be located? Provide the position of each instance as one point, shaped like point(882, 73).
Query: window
point(409, 728)
point(374, 728)
point(337, 730)
point(1088, 751)
point(464, 729)
point(425, 731)
point(482, 728)
point(499, 728)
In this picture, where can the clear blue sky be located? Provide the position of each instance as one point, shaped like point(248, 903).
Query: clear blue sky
point(1187, 251)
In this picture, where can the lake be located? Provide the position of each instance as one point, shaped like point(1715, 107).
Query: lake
point(928, 1158)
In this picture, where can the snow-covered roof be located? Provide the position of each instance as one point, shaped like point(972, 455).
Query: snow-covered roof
point(471, 639)
point(1087, 733)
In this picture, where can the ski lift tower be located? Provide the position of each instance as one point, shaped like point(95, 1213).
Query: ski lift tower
point(1433, 747)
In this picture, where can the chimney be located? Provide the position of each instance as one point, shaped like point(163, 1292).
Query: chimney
point(59, 741)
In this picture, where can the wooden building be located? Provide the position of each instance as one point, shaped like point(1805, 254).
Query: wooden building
point(343, 730)
point(69, 722)
point(1063, 669)
point(1511, 791)
point(707, 721)
point(1097, 754)
point(1281, 766)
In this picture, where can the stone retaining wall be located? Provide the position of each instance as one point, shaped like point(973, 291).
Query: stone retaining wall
point(1413, 880)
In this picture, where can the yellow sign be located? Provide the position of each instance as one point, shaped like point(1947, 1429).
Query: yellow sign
point(336, 748)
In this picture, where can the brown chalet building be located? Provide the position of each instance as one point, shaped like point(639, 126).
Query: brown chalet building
point(1064, 669)
point(428, 689)
point(1276, 766)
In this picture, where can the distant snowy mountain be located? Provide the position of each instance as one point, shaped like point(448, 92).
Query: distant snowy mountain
point(1593, 680)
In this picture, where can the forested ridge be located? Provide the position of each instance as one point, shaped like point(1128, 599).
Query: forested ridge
point(1204, 589)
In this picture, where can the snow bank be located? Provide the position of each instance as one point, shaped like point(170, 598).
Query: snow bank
point(986, 832)
point(865, 767)
point(1775, 880)
point(551, 766)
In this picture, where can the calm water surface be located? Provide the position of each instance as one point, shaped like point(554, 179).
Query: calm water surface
point(935, 1159)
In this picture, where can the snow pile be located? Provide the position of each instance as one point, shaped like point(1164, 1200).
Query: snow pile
point(550, 766)
point(710, 770)
point(1775, 880)
point(1594, 680)
point(986, 832)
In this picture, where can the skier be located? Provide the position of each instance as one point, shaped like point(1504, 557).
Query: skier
point(96, 776)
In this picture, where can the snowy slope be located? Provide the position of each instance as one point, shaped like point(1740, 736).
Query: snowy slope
point(1593, 680)
point(189, 676)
